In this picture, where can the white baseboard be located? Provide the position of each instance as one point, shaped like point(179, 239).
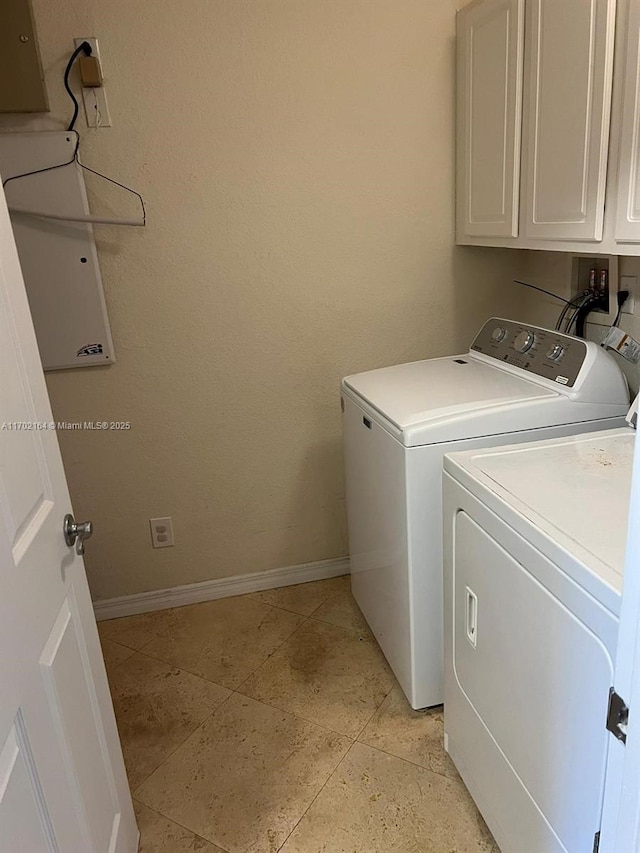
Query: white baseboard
point(177, 596)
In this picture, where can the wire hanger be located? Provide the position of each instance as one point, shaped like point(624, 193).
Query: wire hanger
point(85, 48)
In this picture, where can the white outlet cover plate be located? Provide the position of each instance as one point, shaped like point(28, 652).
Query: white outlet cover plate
point(96, 108)
point(630, 283)
point(161, 532)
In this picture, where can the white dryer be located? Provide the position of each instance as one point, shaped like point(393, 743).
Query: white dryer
point(534, 545)
point(517, 383)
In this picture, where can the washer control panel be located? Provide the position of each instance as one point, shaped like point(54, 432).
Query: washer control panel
point(543, 352)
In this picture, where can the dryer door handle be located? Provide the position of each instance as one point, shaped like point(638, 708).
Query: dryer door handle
point(471, 616)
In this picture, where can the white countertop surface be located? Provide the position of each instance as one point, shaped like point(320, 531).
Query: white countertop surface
point(575, 489)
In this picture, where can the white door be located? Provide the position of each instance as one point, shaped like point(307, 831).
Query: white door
point(63, 787)
point(627, 228)
point(567, 109)
point(490, 38)
point(620, 832)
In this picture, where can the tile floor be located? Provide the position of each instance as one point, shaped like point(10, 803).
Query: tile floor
point(272, 722)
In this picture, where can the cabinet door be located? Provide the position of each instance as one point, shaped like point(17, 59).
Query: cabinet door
point(568, 74)
point(627, 229)
point(489, 96)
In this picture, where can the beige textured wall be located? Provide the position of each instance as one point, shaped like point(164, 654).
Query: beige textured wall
point(296, 159)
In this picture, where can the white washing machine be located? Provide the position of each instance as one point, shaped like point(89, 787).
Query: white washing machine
point(515, 384)
point(534, 545)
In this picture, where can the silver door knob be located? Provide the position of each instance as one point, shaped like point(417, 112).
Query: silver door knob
point(76, 533)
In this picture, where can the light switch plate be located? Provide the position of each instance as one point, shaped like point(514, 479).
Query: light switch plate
point(96, 108)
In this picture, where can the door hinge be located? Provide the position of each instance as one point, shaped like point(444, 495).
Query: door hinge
point(617, 716)
point(596, 842)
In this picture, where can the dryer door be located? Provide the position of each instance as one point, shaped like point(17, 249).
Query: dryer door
point(526, 702)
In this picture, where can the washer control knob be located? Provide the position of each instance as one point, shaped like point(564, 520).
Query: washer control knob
point(556, 352)
point(498, 334)
point(524, 341)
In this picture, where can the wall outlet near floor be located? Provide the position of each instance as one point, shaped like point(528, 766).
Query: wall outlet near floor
point(161, 532)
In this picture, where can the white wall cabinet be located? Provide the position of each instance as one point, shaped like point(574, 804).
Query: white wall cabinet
point(490, 57)
point(575, 84)
point(567, 108)
point(627, 225)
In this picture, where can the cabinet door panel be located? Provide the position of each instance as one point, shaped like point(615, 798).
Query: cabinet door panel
point(627, 227)
point(567, 110)
point(489, 98)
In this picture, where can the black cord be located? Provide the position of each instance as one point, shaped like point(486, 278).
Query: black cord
point(579, 318)
point(542, 290)
point(85, 48)
point(621, 296)
point(573, 303)
point(586, 297)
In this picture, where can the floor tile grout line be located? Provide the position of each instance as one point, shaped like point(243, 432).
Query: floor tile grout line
point(395, 755)
point(177, 822)
point(354, 738)
point(376, 709)
point(115, 642)
point(254, 595)
point(114, 666)
point(344, 758)
point(324, 785)
point(332, 595)
point(353, 630)
point(409, 761)
point(312, 615)
point(236, 690)
point(305, 619)
point(260, 702)
point(182, 669)
point(124, 645)
point(181, 744)
point(287, 609)
point(143, 650)
point(297, 716)
point(353, 743)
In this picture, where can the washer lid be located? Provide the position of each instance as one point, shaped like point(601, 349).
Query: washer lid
point(427, 392)
point(575, 490)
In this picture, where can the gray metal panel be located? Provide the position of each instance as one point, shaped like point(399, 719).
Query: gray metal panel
point(22, 88)
point(535, 360)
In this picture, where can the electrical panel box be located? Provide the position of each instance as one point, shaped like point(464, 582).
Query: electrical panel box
point(22, 88)
point(58, 258)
